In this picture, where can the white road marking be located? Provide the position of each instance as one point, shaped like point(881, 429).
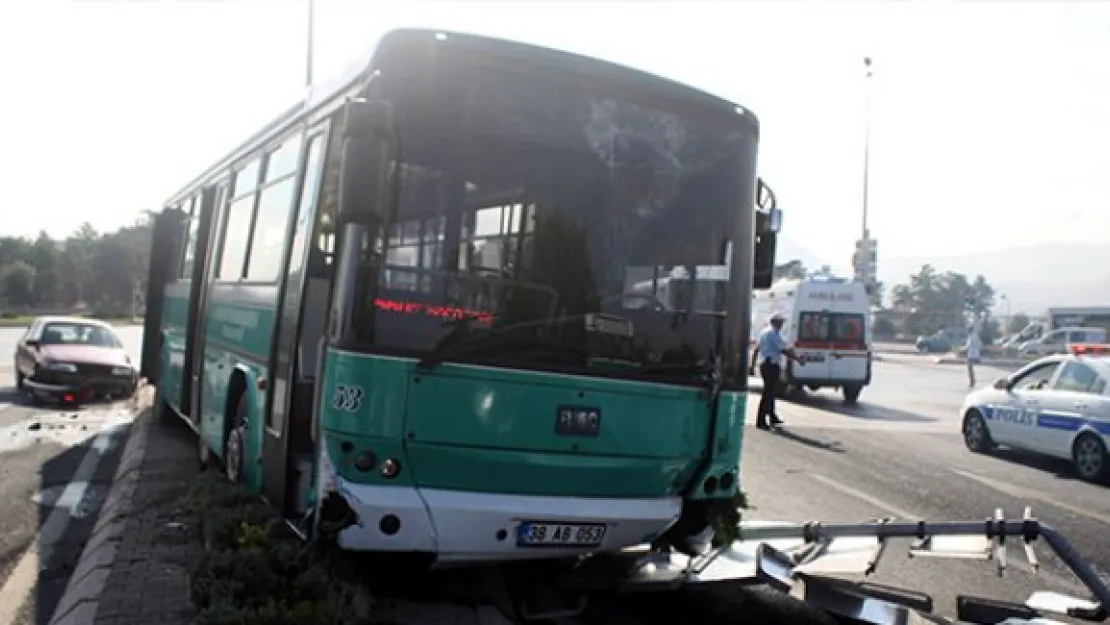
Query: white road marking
point(878, 503)
point(1063, 582)
point(1030, 494)
point(23, 578)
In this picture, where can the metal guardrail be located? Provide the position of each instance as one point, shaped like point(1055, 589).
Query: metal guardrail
point(809, 561)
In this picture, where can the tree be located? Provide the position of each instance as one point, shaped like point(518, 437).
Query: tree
point(17, 279)
point(933, 301)
point(791, 269)
point(48, 274)
point(44, 258)
point(824, 272)
point(1017, 323)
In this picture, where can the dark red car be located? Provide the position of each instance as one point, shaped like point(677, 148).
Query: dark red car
point(71, 359)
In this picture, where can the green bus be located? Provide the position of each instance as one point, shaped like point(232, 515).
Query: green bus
point(404, 312)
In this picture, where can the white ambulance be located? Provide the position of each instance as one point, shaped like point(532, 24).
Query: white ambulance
point(827, 321)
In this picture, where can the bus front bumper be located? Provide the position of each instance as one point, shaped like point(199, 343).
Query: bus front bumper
point(472, 528)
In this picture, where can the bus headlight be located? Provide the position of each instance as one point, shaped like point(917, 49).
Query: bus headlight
point(364, 461)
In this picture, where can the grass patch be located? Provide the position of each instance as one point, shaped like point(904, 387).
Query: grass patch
point(254, 571)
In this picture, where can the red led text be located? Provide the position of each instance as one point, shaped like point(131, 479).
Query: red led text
point(430, 310)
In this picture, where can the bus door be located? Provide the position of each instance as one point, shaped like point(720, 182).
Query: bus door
point(212, 199)
point(166, 239)
point(287, 434)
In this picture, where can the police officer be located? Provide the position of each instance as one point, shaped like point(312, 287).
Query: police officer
point(770, 347)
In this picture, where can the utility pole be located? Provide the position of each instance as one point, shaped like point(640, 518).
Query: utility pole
point(866, 235)
point(864, 261)
point(309, 44)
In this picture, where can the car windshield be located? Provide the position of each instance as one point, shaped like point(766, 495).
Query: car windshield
point(74, 333)
point(601, 220)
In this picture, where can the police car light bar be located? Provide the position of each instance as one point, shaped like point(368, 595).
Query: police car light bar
point(1089, 349)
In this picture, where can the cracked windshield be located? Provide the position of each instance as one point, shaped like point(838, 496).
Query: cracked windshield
point(609, 313)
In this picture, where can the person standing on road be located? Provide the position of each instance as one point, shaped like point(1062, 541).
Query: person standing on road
point(770, 347)
point(974, 347)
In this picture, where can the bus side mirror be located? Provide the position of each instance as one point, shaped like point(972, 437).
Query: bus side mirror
point(766, 238)
point(773, 221)
point(764, 196)
point(368, 143)
point(763, 270)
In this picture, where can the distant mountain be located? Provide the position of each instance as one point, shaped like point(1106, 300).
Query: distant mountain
point(1032, 278)
point(787, 249)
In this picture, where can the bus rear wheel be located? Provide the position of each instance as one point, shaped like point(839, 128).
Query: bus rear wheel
point(235, 443)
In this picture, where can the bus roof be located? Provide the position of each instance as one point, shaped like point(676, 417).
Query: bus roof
point(328, 93)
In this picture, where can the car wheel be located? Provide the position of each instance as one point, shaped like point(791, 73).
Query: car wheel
point(976, 435)
point(18, 379)
point(234, 444)
point(1088, 454)
point(851, 393)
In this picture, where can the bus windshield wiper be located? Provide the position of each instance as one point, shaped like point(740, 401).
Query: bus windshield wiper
point(499, 337)
point(707, 373)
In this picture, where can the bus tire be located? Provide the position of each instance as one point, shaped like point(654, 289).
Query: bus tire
point(235, 443)
point(851, 393)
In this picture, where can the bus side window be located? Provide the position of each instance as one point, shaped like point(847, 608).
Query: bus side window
point(192, 216)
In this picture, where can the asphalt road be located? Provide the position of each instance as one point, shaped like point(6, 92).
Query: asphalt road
point(898, 453)
point(55, 469)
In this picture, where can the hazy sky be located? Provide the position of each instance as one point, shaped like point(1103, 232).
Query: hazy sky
point(991, 121)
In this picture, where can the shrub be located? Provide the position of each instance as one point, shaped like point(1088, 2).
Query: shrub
point(253, 571)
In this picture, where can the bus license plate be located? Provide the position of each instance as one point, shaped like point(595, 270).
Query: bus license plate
point(811, 357)
point(539, 534)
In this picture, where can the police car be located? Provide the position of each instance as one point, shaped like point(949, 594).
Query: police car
point(1058, 406)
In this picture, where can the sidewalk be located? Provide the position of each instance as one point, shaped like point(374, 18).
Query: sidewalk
point(135, 568)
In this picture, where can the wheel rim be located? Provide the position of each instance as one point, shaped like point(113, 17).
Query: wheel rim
point(973, 432)
point(1088, 456)
point(234, 455)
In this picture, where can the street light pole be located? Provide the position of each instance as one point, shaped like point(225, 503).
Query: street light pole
point(309, 44)
point(866, 235)
point(865, 259)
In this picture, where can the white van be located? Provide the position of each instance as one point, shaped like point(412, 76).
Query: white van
point(827, 321)
point(1057, 341)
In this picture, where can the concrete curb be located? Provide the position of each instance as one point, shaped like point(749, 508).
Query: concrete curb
point(81, 599)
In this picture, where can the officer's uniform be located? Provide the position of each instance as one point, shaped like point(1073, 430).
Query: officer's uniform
point(770, 345)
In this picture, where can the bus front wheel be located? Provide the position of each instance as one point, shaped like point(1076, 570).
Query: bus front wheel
point(234, 443)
